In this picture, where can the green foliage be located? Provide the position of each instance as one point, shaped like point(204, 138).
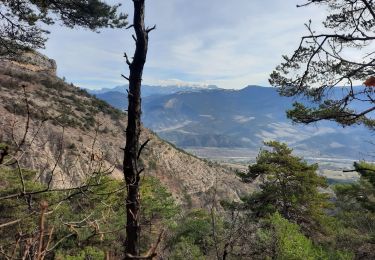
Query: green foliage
point(327, 110)
point(152, 164)
point(359, 195)
point(72, 146)
point(194, 232)
point(288, 185)
point(87, 253)
point(187, 198)
point(321, 70)
point(291, 244)
point(356, 209)
point(22, 27)
point(185, 249)
point(95, 203)
point(89, 121)
point(157, 202)
point(87, 221)
point(367, 171)
point(10, 183)
point(196, 227)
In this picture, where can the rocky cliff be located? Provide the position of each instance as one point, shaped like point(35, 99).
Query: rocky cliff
point(70, 134)
point(31, 61)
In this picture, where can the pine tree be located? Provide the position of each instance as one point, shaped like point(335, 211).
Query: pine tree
point(288, 185)
point(362, 192)
point(22, 20)
point(329, 63)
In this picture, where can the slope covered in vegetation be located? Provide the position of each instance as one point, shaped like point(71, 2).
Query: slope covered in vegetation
point(70, 133)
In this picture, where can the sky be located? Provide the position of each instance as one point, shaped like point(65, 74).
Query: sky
point(228, 43)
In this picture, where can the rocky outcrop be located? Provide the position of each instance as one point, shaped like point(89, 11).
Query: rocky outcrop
point(72, 135)
point(32, 61)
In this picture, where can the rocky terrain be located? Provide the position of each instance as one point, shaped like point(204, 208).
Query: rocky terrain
point(70, 135)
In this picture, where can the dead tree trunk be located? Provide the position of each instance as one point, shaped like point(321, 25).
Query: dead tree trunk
point(132, 148)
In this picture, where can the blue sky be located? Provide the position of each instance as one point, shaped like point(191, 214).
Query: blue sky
point(228, 43)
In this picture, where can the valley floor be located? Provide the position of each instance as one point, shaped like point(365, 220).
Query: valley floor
point(240, 158)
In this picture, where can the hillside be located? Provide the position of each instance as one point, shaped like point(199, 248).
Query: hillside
point(72, 134)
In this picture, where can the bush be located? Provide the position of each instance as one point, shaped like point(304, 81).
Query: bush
point(151, 164)
point(195, 228)
point(186, 250)
point(293, 245)
point(72, 146)
point(91, 253)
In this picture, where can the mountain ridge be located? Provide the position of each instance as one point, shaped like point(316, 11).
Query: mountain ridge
point(244, 118)
point(72, 133)
point(148, 90)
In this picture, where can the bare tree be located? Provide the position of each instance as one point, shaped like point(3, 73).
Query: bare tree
point(22, 135)
point(133, 148)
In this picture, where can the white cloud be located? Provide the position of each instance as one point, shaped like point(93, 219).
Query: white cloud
point(336, 145)
point(208, 116)
point(243, 119)
point(205, 42)
point(181, 83)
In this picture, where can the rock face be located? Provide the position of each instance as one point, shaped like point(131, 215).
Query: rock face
point(71, 135)
point(33, 62)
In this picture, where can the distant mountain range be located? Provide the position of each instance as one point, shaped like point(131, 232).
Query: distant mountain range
point(117, 96)
point(148, 90)
point(228, 120)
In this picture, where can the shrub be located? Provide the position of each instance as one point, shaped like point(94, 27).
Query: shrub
point(293, 245)
point(89, 252)
point(186, 250)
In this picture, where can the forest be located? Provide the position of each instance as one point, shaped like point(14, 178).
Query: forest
point(82, 179)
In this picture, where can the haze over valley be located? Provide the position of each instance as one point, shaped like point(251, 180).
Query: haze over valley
point(231, 125)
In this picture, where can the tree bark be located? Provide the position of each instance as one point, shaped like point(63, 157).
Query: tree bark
point(133, 130)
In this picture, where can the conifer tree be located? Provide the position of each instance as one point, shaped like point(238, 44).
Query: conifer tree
point(329, 63)
point(22, 21)
point(362, 192)
point(288, 185)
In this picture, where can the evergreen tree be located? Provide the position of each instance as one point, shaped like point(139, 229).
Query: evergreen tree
point(288, 185)
point(291, 243)
point(359, 195)
point(22, 20)
point(324, 61)
point(356, 212)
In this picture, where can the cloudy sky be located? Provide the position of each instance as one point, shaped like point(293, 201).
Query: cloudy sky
point(228, 43)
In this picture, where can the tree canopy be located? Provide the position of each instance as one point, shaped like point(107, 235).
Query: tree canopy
point(339, 54)
point(288, 185)
point(362, 192)
point(23, 21)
